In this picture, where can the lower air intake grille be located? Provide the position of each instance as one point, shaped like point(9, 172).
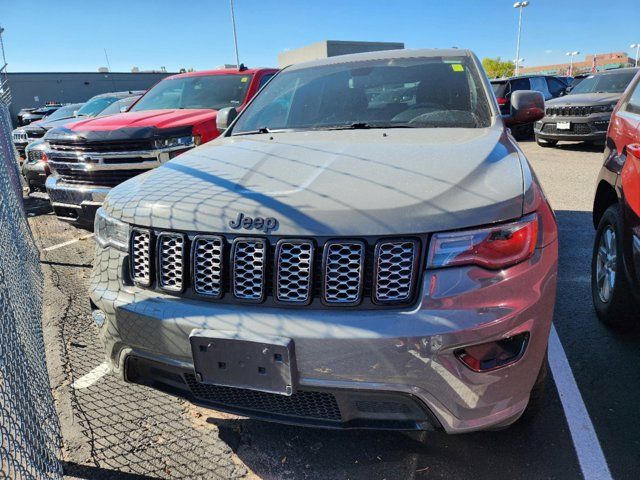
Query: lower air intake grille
point(171, 261)
point(207, 265)
point(140, 256)
point(395, 267)
point(306, 404)
point(248, 261)
point(294, 261)
point(344, 271)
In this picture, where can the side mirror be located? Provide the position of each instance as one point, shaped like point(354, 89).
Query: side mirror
point(75, 113)
point(527, 106)
point(568, 89)
point(225, 117)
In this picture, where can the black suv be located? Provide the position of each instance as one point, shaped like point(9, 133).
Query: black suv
point(583, 114)
point(548, 85)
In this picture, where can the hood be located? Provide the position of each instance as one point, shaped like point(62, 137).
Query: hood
point(147, 118)
point(47, 125)
point(584, 99)
point(325, 183)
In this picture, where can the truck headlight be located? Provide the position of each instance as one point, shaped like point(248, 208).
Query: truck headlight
point(111, 232)
point(176, 142)
point(603, 108)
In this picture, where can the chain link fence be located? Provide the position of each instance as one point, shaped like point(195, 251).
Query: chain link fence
point(29, 429)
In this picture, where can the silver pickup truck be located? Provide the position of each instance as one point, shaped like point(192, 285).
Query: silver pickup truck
point(365, 246)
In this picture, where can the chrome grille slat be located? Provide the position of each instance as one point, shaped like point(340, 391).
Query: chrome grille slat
point(171, 261)
point(206, 257)
point(395, 264)
point(343, 272)
point(248, 264)
point(294, 265)
point(141, 256)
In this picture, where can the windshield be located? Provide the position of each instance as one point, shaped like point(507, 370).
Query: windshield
point(604, 83)
point(64, 112)
point(116, 107)
point(398, 92)
point(96, 105)
point(205, 91)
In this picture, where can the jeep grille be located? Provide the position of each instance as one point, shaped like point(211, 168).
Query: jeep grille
point(301, 271)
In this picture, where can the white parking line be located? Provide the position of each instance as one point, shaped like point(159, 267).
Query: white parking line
point(592, 462)
point(92, 377)
point(64, 244)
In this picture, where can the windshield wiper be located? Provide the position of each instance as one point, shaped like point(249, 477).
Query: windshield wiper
point(365, 125)
point(255, 132)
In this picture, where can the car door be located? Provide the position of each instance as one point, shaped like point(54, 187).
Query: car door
point(627, 134)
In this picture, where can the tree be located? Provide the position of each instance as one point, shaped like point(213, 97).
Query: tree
point(496, 68)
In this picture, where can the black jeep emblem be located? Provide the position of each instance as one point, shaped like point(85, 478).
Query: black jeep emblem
point(265, 224)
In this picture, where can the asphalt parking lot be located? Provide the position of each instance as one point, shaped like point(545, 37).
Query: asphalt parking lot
point(117, 431)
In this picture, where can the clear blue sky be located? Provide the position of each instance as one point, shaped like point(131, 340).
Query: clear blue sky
point(70, 35)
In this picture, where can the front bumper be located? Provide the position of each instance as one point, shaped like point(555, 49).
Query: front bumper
point(405, 354)
point(582, 129)
point(75, 203)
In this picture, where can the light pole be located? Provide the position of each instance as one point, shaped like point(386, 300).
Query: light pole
point(235, 36)
point(571, 55)
point(519, 6)
point(637, 47)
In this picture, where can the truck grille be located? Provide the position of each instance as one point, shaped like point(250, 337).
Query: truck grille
point(569, 111)
point(295, 271)
point(104, 178)
point(100, 147)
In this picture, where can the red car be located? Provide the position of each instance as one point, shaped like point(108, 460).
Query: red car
point(90, 157)
point(615, 266)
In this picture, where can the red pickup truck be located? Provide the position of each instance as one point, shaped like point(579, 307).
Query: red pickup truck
point(88, 158)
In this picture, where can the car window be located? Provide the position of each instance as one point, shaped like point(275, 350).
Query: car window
point(411, 92)
point(499, 88)
point(198, 91)
point(116, 107)
point(539, 84)
point(605, 83)
point(519, 84)
point(64, 112)
point(265, 79)
point(633, 105)
point(556, 87)
point(96, 105)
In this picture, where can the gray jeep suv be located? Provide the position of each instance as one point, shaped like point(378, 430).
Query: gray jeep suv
point(365, 246)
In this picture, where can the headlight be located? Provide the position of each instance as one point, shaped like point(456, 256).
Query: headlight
point(111, 232)
point(176, 142)
point(603, 108)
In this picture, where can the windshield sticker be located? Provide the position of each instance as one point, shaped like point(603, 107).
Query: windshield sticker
point(244, 79)
point(457, 67)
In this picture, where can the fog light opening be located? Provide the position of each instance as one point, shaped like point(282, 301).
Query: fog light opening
point(492, 355)
point(99, 317)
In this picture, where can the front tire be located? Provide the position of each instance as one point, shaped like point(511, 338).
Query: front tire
point(612, 297)
point(546, 143)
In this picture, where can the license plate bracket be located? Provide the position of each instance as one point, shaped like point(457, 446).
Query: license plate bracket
point(230, 359)
point(563, 126)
